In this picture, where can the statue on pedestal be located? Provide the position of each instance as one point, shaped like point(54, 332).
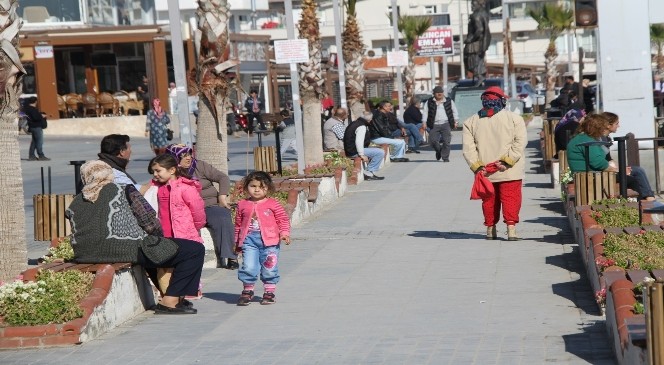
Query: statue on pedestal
point(477, 41)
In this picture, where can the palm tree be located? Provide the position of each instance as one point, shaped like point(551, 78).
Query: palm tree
point(212, 83)
point(353, 52)
point(657, 39)
point(311, 85)
point(552, 19)
point(13, 248)
point(412, 27)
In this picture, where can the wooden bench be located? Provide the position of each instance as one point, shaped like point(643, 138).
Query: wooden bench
point(548, 144)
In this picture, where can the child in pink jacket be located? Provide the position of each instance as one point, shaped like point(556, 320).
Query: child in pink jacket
point(260, 225)
point(181, 208)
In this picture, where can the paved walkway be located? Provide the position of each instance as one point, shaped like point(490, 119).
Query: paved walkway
point(396, 272)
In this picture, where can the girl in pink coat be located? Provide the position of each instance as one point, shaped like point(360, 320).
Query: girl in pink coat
point(181, 208)
point(260, 225)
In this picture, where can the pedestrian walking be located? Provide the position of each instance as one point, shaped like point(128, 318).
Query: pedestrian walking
point(497, 136)
point(261, 223)
point(36, 124)
point(440, 115)
point(156, 126)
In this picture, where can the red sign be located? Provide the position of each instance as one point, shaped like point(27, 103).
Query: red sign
point(436, 41)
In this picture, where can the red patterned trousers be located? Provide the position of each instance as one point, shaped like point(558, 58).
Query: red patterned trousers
point(508, 195)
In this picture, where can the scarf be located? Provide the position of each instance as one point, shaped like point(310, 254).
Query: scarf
point(490, 107)
point(95, 175)
point(116, 162)
point(156, 106)
point(179, 150)
point(573, 115)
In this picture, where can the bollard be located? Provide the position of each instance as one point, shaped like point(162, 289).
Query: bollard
point(622, 165)
point(277, 130)
point(78, 183)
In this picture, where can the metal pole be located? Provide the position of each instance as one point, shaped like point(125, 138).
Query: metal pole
point(278, 147)
point(341, 64)
point(395, 19)
point(622, 166)
point(179, 70)
point(445, 74)
point(505, 51)
point(432, 71)
point(463, 67)
point(295, 86)
point(570, 67)
point(78, 183)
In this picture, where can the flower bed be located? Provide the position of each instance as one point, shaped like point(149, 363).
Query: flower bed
point(619, 254)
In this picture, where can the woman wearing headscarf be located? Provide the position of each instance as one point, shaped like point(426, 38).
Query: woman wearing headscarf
point(217, 209)
point(497, 137)
point(105, 230)
point(566, 128)
point(156, 127)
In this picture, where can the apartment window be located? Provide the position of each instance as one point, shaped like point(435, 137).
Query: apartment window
point(49, 11)
point(430, 9)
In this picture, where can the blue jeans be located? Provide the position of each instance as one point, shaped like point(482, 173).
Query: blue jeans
point(413, 133)
point(375, 156)
point(37, 142)
point(398, 146)
point(642, 183)
point(256, 257)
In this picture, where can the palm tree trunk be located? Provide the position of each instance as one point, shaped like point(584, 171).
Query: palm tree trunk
point(212, 84)
point(13, 249)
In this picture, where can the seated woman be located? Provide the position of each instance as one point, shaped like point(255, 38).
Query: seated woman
point(635, 172)
point(594, 128)
point(105, 230)
point(217, 209)
point(566, 128)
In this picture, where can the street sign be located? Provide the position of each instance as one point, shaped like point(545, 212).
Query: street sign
point(291, 51)
point(397, 58)
point(436, 41)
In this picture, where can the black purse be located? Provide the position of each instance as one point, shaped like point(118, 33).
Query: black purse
point(169, 134)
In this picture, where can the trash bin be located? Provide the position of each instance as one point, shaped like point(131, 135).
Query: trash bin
point(50, 221)
point(265, 159)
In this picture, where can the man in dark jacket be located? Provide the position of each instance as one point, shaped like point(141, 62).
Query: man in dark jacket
point(356, 144)
point(441, 116)
point(116, 151)
point(36, 123)
point(254, 106)
point(381, 133)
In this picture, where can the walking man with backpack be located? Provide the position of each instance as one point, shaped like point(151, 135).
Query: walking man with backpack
point(440, 115)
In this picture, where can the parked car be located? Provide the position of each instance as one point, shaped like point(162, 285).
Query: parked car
point(526, 93)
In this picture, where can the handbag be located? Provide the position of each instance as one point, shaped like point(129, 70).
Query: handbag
point(169, 134)
point(158, 249)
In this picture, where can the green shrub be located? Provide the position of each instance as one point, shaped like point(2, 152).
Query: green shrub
point(617, 217)
point(52, 298)
point(63, 251)
point(644, 251)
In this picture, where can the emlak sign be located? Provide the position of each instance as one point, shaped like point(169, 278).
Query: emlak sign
point(436, 41)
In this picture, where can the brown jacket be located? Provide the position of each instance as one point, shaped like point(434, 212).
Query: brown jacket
point(207, 174)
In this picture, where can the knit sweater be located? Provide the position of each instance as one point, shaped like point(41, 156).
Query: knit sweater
point(208, 174)
point(106, 231)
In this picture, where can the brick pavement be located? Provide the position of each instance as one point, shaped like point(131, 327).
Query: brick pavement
point(396, 272)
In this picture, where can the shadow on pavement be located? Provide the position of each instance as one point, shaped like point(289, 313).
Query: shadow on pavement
point(447, 235)
point(230, 298)
point(586, 346)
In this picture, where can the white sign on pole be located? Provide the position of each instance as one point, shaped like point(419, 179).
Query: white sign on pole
point(43, 51)
point(397, 58)
point(291, 51)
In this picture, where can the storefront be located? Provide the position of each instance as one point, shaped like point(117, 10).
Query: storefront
point(94, 60)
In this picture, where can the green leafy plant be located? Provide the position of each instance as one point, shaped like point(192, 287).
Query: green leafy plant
point(610, 201)
point(61, 252)
point(336, 160)
point(617, 217)
point(639, 308)
point(52, 298)
point(644, 251)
